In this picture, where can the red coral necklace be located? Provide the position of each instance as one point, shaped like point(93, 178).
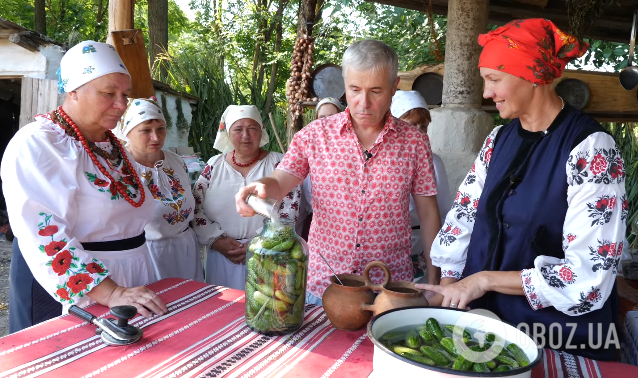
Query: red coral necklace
point(247, 164)
point(119, 186)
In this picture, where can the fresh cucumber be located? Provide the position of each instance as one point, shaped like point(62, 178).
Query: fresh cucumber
point(434, 328)
point(434, 355)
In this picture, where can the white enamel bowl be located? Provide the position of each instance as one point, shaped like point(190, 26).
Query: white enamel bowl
point(388, 364)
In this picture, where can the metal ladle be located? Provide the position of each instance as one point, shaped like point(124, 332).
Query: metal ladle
point(629, 75)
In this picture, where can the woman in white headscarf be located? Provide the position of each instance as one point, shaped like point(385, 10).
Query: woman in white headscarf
point(170, 240)
point(76, 203)
point(411, 107)
point(328, 106)
point(217, 224)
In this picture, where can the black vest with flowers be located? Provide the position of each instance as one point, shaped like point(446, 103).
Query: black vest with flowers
point(520, 216)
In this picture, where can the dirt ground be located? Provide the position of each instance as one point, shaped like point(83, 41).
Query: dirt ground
point(5, 262)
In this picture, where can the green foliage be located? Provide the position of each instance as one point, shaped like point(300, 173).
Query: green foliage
point(406, 31)
point(626, 136)
point(201, 74)
point(68, 21)
point(604, 55)
point(72, 21)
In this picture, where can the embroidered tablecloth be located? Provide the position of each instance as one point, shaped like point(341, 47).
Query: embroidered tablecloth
point(204, 335)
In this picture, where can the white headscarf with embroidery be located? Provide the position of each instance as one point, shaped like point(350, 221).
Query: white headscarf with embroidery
point(232, 114)
point(328, 100)
point(404, 101)
point(138, 110)
point(87, 61)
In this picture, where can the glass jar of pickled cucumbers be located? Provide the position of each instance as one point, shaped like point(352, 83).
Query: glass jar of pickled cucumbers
point(276, 279)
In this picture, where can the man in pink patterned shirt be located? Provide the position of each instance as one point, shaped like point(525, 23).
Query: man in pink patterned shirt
point(363, 164)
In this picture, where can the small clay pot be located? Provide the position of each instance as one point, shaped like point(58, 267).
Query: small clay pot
point(396, 294)
point(343, 304)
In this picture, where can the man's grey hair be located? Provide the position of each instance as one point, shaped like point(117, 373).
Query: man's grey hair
point(371, 55)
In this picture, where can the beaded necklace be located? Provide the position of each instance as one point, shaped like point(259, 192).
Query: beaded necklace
point(62, 119)
point(114, 158)
point(247, 164)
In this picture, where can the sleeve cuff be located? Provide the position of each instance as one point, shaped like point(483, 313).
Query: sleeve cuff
point(451, 271)
point(531, 288)
point(291, 172)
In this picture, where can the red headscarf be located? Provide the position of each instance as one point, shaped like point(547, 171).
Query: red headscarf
point(534, 50)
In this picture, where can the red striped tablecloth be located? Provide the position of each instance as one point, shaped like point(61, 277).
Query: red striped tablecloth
point(204, 335)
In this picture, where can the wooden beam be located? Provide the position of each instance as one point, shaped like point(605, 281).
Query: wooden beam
point(5, 33)
point(121, 14)
point(22, 39)
point(614, 25)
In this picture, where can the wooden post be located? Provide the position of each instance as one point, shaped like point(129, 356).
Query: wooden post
point(120, 16)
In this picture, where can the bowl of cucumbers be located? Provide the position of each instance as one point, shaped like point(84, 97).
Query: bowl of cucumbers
point(446, 342)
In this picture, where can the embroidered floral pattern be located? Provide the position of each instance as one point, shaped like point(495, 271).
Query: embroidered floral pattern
point(601, 210)
point(578, 166)
point(65, 263)
point(176, 194)
point(54, 247)
point(486, 152)
point(126, 180)
point(586, 302)
point(464, 207)
point(606, 166)
point(558, 275)
point(606, 255)
point(206, 172)
point(451, 274)
point(530, 290)
point(567, 239)
point(469, 179)
point(448, 235)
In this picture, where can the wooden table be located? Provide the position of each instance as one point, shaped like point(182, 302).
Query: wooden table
point(204, 335)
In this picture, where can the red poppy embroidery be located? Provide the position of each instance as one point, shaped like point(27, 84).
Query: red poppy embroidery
point(126, 171)
point(94, 268)
point(79, 282)
point(101, 183)
point(48, 231)
point(581, 164)
point(62, 262)
point(63, 293)
point(54, 247)
point(129, 180)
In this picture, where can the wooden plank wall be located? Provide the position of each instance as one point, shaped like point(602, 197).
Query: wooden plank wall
point(38, 96)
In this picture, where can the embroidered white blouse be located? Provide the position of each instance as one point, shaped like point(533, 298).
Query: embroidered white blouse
point(219, 217)
point(57, 199)
point(169, 184)
point(604, 204)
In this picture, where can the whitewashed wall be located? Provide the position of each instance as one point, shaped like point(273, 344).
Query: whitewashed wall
point(175, 138)
point(18, 61)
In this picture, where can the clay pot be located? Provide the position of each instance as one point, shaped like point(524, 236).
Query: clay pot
point(397, 294)
point(343, 303)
